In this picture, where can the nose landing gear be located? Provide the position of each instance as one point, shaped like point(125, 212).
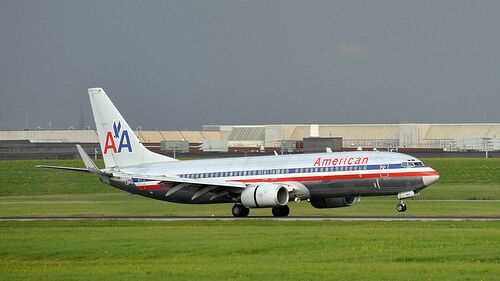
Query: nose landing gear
point(401, 207)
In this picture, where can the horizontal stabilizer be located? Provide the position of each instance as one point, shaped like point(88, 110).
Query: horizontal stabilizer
point(64, 168)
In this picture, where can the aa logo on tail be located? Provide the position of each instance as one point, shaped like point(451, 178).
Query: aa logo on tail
point(117, 136)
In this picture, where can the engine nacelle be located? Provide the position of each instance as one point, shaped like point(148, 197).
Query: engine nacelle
point(322, 203)
point(264, 195)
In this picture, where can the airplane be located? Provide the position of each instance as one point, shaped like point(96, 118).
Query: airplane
point(326, 180)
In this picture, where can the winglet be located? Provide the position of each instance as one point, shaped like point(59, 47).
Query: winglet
point(89, 164)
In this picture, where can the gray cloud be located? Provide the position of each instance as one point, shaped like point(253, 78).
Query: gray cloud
point(181, 64)
point(350, 50)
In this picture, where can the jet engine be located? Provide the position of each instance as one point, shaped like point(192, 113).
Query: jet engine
point(264, 195)
point(322, 203)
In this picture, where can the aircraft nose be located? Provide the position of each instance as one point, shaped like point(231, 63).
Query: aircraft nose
point(430, 179)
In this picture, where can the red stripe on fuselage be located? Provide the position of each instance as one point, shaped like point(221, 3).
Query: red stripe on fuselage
point(342, 177)
point(149, 187)
point(317, 178)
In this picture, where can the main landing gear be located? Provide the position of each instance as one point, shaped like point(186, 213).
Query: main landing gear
point(401, 207)
point(281, 211)
point(241, 211)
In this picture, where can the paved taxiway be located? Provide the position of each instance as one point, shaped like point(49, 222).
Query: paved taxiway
point(230, 218)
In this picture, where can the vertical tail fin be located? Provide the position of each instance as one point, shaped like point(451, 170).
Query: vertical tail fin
point(120, 146)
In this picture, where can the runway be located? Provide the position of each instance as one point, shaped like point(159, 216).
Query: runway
point(230, 218)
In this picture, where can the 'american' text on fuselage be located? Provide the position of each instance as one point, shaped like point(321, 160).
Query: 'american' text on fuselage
point(340, 161)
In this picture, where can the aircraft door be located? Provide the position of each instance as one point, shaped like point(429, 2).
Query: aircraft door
point(140, 184)
point(384, 168)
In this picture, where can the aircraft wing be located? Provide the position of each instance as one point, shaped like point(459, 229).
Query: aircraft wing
point(218, 187)
point(205, 182)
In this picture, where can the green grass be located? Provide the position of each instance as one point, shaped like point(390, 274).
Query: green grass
point(460, 179)
point(21, 177)
point(112, 204)
point(30, 191)
point(466, 170)
point(245, 250)
point(249, 250)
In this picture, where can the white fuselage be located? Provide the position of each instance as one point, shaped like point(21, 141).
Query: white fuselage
point(335, 174)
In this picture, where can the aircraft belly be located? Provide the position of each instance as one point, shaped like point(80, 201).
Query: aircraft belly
point(363, 187)
point(182, 196)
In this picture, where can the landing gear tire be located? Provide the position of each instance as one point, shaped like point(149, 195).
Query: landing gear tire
point(281, 211)
point(240, 211)
point(401, 207)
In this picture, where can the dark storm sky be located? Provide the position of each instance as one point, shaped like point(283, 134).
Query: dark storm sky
point(181, 64)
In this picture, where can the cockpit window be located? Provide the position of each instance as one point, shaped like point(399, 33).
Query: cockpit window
point(411, 163)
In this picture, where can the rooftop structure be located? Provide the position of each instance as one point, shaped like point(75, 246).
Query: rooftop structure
point(466, 136)
point(449, 137)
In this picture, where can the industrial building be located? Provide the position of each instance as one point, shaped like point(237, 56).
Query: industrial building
point(289, 138)
point(448, 137)
point(59, 144)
